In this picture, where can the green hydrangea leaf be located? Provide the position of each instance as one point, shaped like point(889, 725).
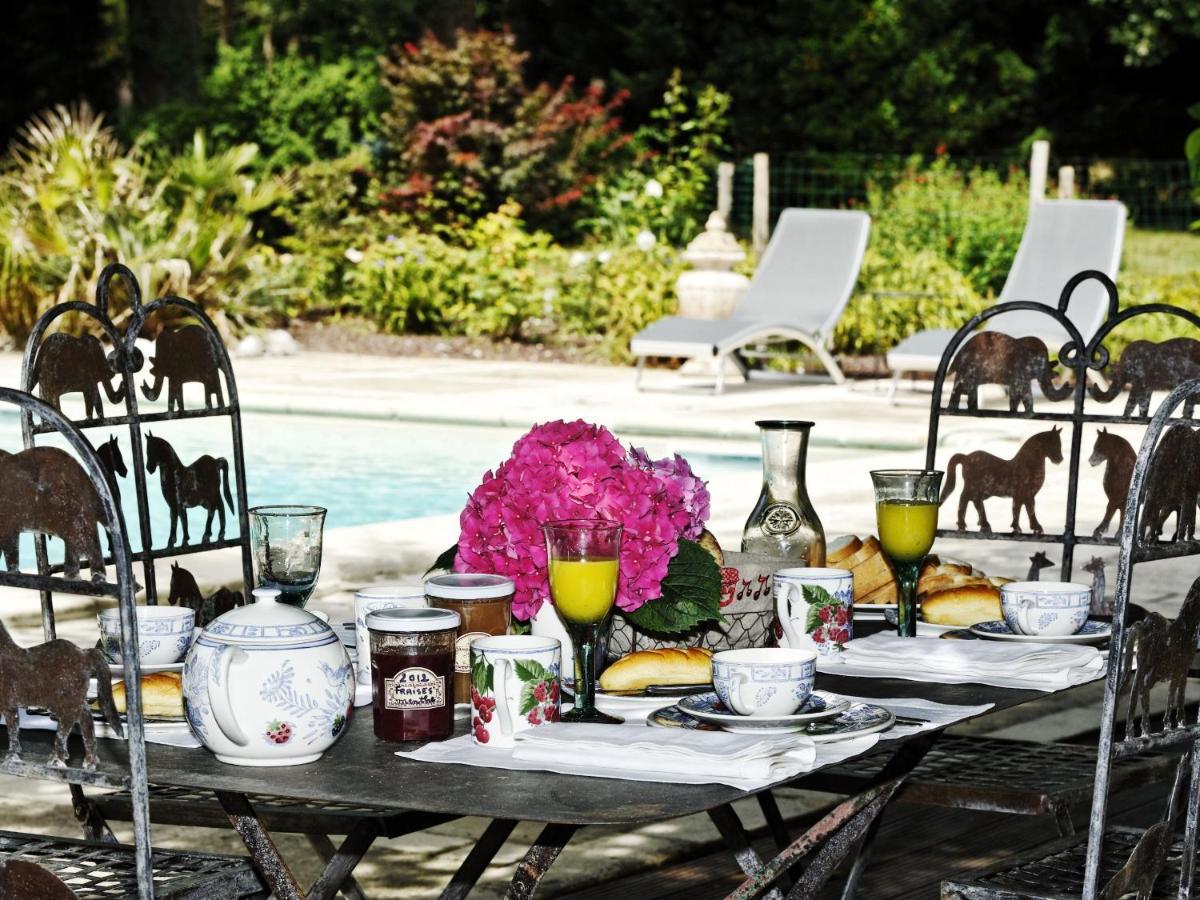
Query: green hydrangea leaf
point(445, 560)
point(691, 594)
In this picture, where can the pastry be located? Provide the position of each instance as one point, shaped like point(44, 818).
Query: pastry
point(968, 604)
point(666, 666)
point(162, 695)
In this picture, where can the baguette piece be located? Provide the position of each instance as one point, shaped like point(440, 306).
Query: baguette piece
point(871, 575)
point(841, 548)
point(666, 666)
point(962, 606)
point(886, 593)
point(870, 547)
point(162, 695)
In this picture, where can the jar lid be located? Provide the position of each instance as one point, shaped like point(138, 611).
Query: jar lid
point(469, 586)
point(390, 591)
point(405, 620)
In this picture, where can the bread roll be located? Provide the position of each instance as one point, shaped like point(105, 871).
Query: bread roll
point(884, 594)
point(162, 695)
point(962, 606)
point(841, 548)
point(666, 666)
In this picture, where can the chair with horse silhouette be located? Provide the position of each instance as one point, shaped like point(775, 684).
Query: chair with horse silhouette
point(971, 771)
point(58, 365)
point(65, 492)
point(1114, 860)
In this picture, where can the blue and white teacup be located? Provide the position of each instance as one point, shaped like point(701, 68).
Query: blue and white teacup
point(1048, 608)
point(164, 633)
point(766, 682)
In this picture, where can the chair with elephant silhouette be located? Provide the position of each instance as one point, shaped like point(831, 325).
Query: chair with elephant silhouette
point(44, 689)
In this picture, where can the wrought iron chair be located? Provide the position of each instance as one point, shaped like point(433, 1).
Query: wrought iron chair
point(968, 772)
point(57, 363)
point(1113, 860)
point(51, 490)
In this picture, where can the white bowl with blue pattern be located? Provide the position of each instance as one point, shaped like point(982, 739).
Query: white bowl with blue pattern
point(767, 681)
point(163, 633)
point(1047, 608)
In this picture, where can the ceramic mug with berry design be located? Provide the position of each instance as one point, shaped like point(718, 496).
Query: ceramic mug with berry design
point(514, 686)
point(815, 607)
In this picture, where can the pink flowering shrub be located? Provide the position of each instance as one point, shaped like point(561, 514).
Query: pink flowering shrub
point(576, 470)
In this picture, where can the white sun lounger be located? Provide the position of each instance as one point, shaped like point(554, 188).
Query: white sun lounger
point(1061, 239)
point(798, 292)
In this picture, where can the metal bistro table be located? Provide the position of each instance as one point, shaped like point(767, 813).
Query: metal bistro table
point(362, 770)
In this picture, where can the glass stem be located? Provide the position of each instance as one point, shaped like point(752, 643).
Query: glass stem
point(906, 602)
point(585, 638)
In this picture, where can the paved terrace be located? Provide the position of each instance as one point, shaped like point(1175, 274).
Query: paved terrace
point(856, 430)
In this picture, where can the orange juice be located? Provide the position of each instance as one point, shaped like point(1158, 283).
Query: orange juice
point(583, 590)
point(906, 528)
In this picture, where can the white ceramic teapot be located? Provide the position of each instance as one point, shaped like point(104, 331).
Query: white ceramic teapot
point(268, 684)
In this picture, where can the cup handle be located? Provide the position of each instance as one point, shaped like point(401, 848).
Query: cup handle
point(739, 680)
point(219, 696)
point(783, 611)
point(1023, 616)
point(500, 677)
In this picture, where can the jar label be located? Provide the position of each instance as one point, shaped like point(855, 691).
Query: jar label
point(462, 650)
point(415, 688)
point(780, 518)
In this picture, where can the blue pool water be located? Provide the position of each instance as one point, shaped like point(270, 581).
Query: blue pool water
point(362, 471)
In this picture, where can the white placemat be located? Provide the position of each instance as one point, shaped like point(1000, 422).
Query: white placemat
point(936, 715)
point(172, 734)
point(1039, 667)
point(636, 752)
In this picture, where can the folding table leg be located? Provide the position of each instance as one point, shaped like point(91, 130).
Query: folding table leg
point(262, 847)
point(337, 871)
point(95, 828)
point(325, 849)
point(538, 860)
point(736, 839)
point(477, 860)
point(770, 811)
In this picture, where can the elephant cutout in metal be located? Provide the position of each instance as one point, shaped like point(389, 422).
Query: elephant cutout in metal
point(1098, 606)
point(1037, 562)
point(993, 357)
point(1157, 650)
point(186, 592)
point(24, 880)
point(67, 364)
point(1146, 367)
point(986, 475)
point(1172, 485)
point(184, 487)
point(45, 490)
point(182, 356)
point(1119, 456)
point(54, 676)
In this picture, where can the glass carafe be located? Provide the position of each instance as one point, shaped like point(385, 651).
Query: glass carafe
point(784, 523)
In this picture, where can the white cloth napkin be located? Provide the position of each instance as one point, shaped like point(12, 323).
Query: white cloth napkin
point(636, 752)
point(1039, 667)
point(172, 734)
point(936, 715)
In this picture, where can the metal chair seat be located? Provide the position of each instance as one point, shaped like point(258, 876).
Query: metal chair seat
point(968, 772)
point(1055, 870)
point(100, 871)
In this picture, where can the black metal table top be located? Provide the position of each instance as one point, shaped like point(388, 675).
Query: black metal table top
point(360, 769)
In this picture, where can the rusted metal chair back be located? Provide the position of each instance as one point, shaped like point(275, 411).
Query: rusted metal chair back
point(58, 363)
point(1150, 651)
point(1023, 365)
point(66, 493)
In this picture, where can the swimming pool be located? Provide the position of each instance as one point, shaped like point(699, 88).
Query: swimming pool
point(362, 470)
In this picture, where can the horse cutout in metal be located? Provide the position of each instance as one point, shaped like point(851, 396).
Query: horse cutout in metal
point(993, 357)
point(986, 475)
point(184, 487)
point(1159, 650)
point(1037, 562)
point(67, 364)
point(24, 880)
point(186, 592)
point(54, 676)
point(1119, 456)
point(1098, 605)
point(1146, 367)
point(44, 490)
point(182, 356)
point(1172, 485)
point(110, 457)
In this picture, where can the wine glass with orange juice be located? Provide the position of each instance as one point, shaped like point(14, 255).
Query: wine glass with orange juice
point(583, 560)
point(906, 509)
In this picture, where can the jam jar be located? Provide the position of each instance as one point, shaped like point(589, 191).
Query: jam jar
point(485, 604)
point(412, 673)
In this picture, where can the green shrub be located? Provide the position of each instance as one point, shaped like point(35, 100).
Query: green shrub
point(465, 134)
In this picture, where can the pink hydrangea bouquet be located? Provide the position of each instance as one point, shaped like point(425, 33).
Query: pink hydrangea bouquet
point(576, 470)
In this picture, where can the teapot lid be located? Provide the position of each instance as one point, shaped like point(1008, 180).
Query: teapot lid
point(268, 621)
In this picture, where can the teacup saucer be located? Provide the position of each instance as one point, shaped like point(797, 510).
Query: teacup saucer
point(1092, 633)
point(852, 721)
point(118, 669)
point(709, 708)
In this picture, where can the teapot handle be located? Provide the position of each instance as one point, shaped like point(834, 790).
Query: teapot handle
point(219, 696)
